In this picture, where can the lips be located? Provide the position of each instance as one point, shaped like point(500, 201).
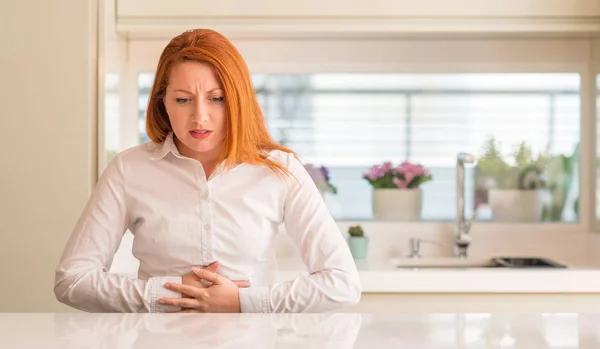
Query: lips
point(200, 133)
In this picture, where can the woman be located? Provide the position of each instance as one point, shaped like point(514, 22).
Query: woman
point(204, 201)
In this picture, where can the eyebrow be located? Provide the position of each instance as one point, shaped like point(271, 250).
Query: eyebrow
point(191, 93)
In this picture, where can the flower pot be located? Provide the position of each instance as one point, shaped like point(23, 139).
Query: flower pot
point(397, 204)
point(515, 205)
point(358, 246)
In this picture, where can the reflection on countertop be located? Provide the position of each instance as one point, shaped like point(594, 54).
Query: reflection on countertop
point(359, 331)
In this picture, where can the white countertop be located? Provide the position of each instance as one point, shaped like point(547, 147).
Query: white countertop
point(383, 276)
point(336, 331)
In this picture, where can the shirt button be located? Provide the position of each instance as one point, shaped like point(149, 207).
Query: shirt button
point(204, 196)
point(206, 226)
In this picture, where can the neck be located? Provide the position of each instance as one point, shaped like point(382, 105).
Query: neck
point(208, 159)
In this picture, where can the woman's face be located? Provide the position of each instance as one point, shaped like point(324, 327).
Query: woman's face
point(195, 103)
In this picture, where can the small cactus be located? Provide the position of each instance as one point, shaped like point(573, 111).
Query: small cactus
point(356, 231)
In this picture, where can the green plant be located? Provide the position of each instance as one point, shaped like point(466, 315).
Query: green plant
point(356, 231)
point(560, 174)
point(531, 177)
point(492, 166)
point(524, 171)
point(521, 171)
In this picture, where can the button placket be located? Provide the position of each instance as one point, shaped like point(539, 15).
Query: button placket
point(208, 224)
point(207, 227)
point(205, 215)
point(202, 209)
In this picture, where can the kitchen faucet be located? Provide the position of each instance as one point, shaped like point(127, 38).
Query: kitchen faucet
point(462, 238)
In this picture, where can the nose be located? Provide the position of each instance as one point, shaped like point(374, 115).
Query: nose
point(200, 112)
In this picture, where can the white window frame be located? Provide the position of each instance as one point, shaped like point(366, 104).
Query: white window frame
point(407, 55)
point(594, 91)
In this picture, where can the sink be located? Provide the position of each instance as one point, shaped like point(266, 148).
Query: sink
point(527, 263)
point(469, 263)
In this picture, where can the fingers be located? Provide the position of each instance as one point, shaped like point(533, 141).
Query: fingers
point(209, 276)
point(191, 291)
point(242, 283)
point(191, 303)
point(212, 267)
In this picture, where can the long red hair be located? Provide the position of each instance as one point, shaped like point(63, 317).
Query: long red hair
point(247, 138)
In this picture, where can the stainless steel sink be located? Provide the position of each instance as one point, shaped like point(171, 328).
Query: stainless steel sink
point(470, 263)
point(509, 262)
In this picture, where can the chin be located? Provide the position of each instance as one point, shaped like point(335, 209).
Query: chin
point(201, 146)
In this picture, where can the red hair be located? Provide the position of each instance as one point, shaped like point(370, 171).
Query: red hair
point(247, 137)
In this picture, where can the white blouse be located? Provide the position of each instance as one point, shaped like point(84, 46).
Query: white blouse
point(180, 219)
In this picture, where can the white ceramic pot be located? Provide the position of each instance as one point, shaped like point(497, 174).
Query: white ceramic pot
point(514, 205)
point(397, 204)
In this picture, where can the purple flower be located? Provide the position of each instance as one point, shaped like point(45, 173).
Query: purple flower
point(315, 173)
point(405, 176)
point(325, 172)
point(373, 173)
point(320, 175)
point(378, 171)
point(387, 166)
point(412, 169)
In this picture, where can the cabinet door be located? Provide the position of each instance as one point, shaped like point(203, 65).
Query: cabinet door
point(395, 303)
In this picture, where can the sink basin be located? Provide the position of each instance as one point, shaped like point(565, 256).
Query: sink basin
point(527, 263)
point(468, 263)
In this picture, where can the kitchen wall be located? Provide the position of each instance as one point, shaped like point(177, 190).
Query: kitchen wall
point(48, 98)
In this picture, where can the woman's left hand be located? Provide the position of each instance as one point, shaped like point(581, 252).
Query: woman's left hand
point(221, 297)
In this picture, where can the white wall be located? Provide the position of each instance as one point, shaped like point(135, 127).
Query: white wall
point(48, 116)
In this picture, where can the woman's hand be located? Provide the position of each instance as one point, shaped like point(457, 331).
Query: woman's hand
point(192, 279)
point(221, 297)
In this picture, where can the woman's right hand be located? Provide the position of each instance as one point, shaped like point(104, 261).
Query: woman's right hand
point(193, 280)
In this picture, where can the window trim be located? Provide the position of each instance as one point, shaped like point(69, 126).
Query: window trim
point(142, 55)
point(593, 89)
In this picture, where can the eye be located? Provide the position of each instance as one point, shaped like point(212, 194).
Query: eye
point(182, 100)
point(218, 99)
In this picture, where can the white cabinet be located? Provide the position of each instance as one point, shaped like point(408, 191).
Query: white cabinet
point(341, 17)
point(394, 303)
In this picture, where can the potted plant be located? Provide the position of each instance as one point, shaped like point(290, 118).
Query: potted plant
point(357, 242)
point(320, 175)
point(560, 175)
point(397, 190)
point(515, 191)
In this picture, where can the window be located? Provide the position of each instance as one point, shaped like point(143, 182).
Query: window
point(349, 122)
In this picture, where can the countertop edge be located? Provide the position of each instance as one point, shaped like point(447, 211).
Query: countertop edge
point(475, 281)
